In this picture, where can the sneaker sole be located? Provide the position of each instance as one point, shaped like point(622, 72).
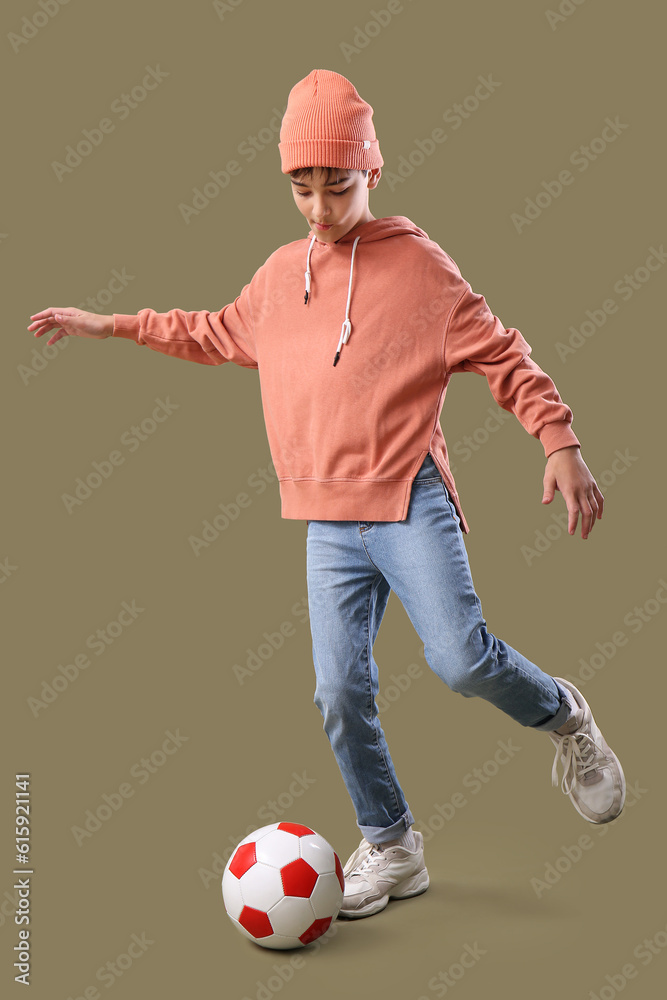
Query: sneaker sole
point(413, 886)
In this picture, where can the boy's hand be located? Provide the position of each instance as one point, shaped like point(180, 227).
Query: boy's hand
point(566, 471)
point(70, 322)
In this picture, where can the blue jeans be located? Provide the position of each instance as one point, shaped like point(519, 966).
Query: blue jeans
point(352, 567)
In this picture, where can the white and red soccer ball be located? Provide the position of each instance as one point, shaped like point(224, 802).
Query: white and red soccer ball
point(283, 886)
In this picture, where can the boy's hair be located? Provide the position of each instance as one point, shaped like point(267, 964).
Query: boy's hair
point(302, 172)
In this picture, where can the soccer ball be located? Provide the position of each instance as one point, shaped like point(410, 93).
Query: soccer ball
point(283, 886)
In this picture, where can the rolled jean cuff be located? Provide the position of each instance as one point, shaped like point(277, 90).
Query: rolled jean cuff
point(561, 716)
point(380, 834)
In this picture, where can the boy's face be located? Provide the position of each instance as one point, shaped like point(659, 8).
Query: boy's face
point(342, 205)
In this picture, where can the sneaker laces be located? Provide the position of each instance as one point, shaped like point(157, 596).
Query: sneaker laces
point(582, 756)
point(369, 861)
point(354, 859)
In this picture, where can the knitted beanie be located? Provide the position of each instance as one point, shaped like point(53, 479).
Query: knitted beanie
point(327, 124)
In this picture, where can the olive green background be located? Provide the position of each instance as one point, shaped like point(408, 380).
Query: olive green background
point(153, 866)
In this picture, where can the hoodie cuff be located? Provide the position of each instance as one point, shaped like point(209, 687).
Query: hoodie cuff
point(126, 326)
point(558, 434)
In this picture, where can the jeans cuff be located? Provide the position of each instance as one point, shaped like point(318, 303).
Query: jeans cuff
point(380, 834)
point(561, 716)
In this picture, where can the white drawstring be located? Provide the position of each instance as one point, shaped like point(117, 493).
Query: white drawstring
point(305, 301)
point(346, 328)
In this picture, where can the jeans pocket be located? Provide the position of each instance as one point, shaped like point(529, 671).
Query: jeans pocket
point(450, 502)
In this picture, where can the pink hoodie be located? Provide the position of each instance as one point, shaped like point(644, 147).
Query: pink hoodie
point(355, 343)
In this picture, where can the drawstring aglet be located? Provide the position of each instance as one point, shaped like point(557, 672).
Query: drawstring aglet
point(346, 329)
point(305, 299)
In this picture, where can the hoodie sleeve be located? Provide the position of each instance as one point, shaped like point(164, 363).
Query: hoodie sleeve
point(476, 341)
point(208, 338)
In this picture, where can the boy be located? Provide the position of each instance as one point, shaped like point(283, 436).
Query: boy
point(357, 445)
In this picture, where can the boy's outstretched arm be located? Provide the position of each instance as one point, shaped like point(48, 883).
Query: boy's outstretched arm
point(566, 471)
point(207, 338)
point(477, 341)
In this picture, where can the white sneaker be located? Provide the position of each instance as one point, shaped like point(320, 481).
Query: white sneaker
point(375, 874)
point(592, 773)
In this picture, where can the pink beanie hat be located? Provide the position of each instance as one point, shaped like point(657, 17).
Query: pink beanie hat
point(327, 124)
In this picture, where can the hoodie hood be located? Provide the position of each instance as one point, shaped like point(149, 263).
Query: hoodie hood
point(368, 232)
point(378, 229)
